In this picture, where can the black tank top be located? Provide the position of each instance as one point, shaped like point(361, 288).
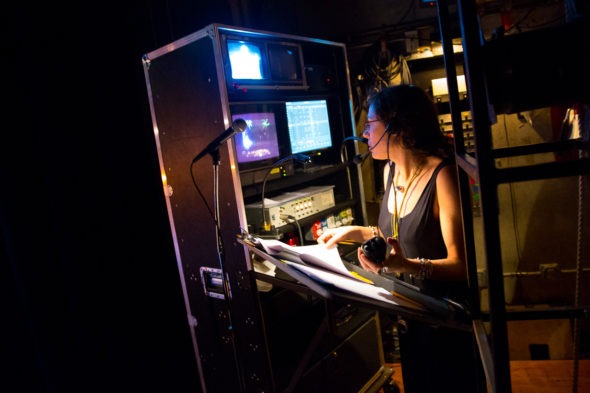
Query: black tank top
point(420, 236)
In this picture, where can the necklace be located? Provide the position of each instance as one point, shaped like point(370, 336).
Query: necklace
point(404, 190)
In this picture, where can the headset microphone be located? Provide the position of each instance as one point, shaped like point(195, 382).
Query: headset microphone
point(360, 158)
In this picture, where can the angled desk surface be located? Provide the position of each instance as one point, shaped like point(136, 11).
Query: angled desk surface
point(387, 294)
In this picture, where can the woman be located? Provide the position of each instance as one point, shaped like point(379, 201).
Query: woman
point(420, 217)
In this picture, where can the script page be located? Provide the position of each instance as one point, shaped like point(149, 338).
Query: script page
point(315, 255)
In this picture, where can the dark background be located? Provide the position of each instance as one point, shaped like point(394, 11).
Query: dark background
point(91, 294)
point(91, 297)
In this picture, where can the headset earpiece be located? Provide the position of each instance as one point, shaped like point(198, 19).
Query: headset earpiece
point(393, 126)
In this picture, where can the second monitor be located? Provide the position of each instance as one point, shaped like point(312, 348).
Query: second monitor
point(308, 123)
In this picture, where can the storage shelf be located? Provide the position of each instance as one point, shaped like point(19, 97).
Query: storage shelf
point(565, 312)
point(294, 180)
point(307, 221)
point(543, 171)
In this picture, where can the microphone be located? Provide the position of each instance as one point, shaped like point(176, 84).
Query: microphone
point(360, 158)
point(355, 138)
point(237, 126)
point(343, 145)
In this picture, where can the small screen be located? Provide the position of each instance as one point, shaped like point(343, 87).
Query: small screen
point(284, 62)
point(245, 60)
point(309, 125)
point(259, 141)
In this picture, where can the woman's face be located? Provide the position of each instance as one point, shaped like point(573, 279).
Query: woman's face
point(375, 132)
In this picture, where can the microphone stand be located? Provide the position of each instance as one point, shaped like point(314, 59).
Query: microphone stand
point(225, 276)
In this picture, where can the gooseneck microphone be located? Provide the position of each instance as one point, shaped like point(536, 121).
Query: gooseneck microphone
point(360, 158)
point(343, 145)
point(237, 126)
point(355, 138)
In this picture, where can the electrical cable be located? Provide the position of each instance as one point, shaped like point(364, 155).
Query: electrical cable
point(204, 200)
point(302, 239)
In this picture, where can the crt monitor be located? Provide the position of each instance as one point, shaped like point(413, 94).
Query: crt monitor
point(247, 60)
point(259, 142)
point(263, 64)
point(284, 62)
point(309, 126)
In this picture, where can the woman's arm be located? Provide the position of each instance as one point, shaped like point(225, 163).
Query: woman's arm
point(448, 204)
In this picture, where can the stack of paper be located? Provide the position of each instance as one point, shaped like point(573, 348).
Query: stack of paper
point(324, 265)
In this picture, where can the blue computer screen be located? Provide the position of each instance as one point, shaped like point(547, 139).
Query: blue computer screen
point(309, 125)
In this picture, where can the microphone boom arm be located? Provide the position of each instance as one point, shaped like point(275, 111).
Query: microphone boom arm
point(237, 126)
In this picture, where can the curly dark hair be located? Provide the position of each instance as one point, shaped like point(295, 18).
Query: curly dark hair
point(408, 111)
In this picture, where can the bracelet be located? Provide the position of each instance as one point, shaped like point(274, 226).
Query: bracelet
point(425, 268)
point(374, 231)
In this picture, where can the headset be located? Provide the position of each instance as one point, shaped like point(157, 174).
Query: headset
point(360, 158)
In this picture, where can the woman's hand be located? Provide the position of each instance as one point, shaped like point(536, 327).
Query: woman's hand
point(394, 262)
point(367, 264)
point(356, 233)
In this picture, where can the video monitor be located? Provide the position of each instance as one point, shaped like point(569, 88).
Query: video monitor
point(259, 142)
point(258, 63)
point(284, 62)
point(309, 126)
point(247, 60)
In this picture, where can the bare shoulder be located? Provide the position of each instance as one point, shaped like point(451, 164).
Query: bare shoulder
point(448, 171)
point(446, 180)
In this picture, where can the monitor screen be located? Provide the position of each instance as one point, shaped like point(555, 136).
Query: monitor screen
point(259, 141)
point(309, 126)
point(246, 60)
point(284, 62)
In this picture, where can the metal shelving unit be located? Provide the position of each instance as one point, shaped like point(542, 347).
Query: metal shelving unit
point(491, 71)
